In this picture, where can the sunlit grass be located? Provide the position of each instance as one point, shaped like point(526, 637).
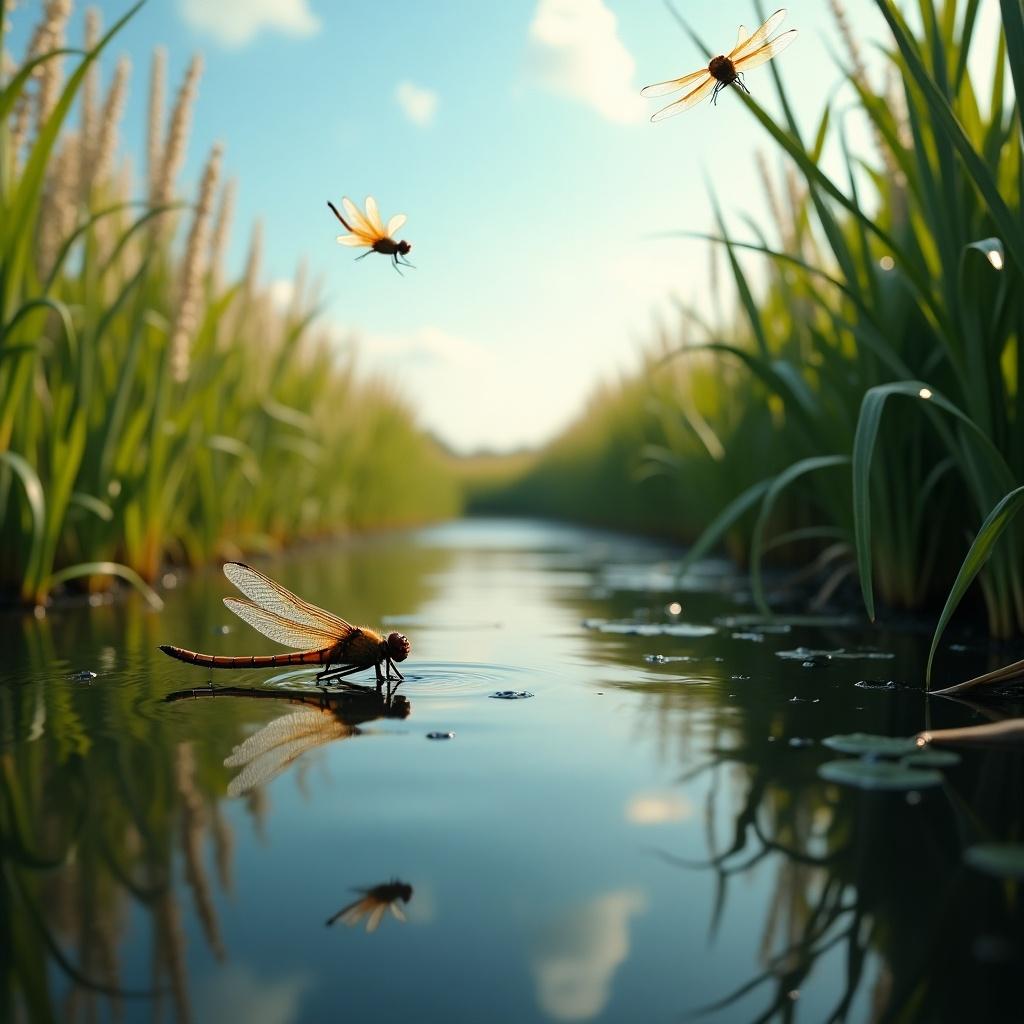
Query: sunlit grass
point(149, 409)
point(866, 407)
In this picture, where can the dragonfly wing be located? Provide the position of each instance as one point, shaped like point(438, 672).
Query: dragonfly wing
point(395, 223)
point(375, 915)
point(766, 52)
point(373, 217)
point(355, 912)
point(354, 240)
point(265, 754)
point(360, 225)
point(263, 591)
point(741, 37)
point(284, 631)
point(674, 85)
point(758, 37)
point(690, 99)
point(397, 911)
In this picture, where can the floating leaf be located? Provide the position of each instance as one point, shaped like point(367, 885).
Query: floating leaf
point(866, 743)
point(932, 759)
point(883, 775)
point(1005, 860)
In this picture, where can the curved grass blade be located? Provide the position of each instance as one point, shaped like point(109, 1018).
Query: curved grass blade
point(123, 572)
point(777, 486)
point(998, 520)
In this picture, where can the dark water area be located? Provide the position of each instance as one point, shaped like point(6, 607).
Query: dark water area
point(646, 837)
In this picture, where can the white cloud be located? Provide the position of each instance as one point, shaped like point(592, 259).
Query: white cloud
point(577, 957)
point(282, 291)
point(578, 52)
point(236, 993)
point(418, 104)
point(658, 808)
point(236, 22)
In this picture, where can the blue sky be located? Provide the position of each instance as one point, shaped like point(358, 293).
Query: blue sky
point(513, 136)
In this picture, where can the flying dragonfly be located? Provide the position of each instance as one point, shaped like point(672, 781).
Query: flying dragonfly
point(373, 903)
point(750, 51)
point(368, 229)
point(323, 638)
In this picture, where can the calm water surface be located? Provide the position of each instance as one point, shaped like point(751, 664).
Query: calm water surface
point(642, 839)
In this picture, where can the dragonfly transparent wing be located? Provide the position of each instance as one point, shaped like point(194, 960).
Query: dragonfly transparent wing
point(690, 99)
point(360, 225)
point(673, 85)
point(375, 917)
point(758, 37)
point(766, 52)
point(353, 240)
point(263, 591)
point(395, 223)
point(265, 754)
point(373, 217)
point(741, 37)
point(284, 631)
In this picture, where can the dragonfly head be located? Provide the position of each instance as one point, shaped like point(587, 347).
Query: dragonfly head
point(404, 248)
point(398, 646)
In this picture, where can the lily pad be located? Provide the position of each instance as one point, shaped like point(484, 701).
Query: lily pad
point(866, 743)
point(933, 759)
point(883, 775)
point(1004, 860)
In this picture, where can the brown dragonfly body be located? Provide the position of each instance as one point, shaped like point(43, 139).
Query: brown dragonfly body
point(751, 50)
point(325, 638)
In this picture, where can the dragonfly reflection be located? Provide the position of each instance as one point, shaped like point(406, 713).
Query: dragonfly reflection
point(321, 718)
point(373, 903)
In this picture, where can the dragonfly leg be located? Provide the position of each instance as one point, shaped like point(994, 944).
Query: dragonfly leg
point(321, 674)
point(339, 673)
point(394, 263)
point(743, 85)
point(363, 257)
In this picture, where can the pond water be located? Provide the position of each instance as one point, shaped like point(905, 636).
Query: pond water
point(645, 837)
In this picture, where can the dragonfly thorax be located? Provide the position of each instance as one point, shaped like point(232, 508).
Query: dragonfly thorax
point(722, 69)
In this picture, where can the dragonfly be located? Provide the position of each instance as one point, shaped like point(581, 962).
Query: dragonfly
point(368, 229)
point(751, 51)
point(322, 637)
point(373, 903)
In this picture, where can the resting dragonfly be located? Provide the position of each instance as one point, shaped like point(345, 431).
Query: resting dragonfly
point(323, 638)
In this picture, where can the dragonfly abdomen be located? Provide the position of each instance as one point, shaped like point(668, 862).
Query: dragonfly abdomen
point(255, 661)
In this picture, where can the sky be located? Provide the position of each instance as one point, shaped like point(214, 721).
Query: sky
point(513, 136)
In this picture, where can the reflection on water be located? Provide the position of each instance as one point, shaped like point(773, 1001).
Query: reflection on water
point(647, 837)
point(373, 903)
point(577, 953)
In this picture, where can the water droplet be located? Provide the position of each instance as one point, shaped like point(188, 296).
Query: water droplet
point(169, 581)
point(756, 638)
point(801, 741)
point(876, 684)
point(675, 608)
point(222, 630)
point(511, 694)
point(440, 735)
point(82, 676)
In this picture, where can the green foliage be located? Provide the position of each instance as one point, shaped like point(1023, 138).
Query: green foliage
point(903, 278)
point(115, 454)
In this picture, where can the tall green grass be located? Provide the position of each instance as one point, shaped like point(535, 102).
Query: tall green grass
point(150, 410)
point(865, 409)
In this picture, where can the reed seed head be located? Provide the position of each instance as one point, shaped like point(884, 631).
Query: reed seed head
point(113, 107)
point(187, 315)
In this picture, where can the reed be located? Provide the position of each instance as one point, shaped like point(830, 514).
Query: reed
point(152, 407)
point(875, 414)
